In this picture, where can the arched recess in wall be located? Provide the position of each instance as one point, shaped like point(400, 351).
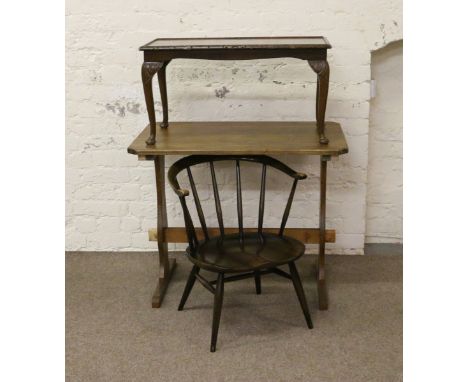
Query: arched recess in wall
point(384, 217)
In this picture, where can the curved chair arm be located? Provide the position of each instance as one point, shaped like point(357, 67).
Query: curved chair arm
point(192, 160)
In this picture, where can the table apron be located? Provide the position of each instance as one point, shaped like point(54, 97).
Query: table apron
point(234, 54)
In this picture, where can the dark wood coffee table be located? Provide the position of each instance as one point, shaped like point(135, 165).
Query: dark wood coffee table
point(158, 53)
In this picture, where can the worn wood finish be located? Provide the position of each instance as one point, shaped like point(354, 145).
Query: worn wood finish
point(242, 48)
point(166, 267)
point(239, 138)
point(241, 254)
point(310, 48)
point(237, 43)
point(304, 235)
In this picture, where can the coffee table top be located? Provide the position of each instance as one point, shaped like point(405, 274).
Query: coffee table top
point(306, 42)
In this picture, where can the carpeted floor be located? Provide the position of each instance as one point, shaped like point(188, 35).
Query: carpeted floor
point(113, 334)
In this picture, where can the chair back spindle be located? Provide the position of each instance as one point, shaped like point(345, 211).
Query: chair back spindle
point(219, 212)
point(201, 216)
point(288, 208)
point(189, 228)
point(239, 203)
point(261, 207)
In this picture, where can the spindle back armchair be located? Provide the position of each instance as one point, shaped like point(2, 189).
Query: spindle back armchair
point(246, 253)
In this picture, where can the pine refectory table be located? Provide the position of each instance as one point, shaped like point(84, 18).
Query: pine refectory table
point(320, 138)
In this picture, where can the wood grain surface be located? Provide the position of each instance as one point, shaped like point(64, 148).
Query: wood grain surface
point(240, 138)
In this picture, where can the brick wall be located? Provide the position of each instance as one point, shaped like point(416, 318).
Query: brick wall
point(385, 171)
point(110, 198)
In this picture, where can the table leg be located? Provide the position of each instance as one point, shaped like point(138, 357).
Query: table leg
point(322, 69)
point(321, 283)
point(148, 70)
point(163, 91)
point(166, 265)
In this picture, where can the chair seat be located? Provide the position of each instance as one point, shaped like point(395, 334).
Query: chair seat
point(257, 252)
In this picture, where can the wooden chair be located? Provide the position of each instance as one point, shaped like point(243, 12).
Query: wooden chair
point(245, 253)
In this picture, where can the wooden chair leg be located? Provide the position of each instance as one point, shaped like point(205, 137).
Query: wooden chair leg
point(188, 286)
point(218, 304)
point(300, 293)
point(258, 283)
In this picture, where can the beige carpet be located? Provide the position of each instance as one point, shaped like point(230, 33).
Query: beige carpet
point(113, 334)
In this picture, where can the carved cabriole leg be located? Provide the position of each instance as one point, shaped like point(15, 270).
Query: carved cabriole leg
point(321, 282)
point(166, 265)
point(163, 91)
point(148, 70)
point(323, 73)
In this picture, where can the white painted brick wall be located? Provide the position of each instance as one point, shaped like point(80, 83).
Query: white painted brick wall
point(110, 199)
point(385, 172)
